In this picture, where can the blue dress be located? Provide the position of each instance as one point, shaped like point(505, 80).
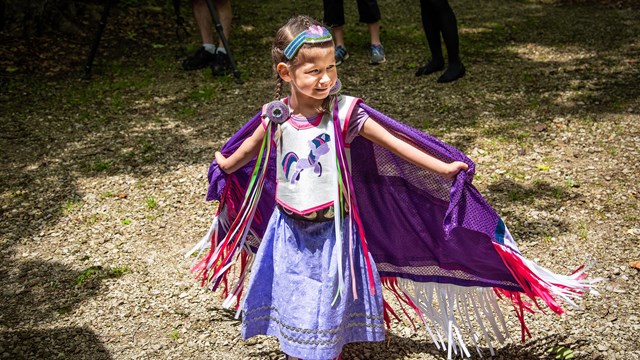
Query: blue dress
point(293, 286)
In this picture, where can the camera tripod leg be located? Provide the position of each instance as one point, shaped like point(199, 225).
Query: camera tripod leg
point(219, 30)
point(96, 41)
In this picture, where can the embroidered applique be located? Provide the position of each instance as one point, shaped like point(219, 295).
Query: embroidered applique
point(293, 165)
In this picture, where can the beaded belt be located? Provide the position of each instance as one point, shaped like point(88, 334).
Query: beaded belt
point(326, 214)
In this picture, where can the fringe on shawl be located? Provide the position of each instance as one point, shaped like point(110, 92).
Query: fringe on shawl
point(447, 311)
point(232, 291)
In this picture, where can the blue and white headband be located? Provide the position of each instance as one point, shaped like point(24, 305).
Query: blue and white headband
point(314, 34)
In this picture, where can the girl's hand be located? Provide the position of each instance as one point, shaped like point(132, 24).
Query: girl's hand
point(454, 168)
point(222, 161)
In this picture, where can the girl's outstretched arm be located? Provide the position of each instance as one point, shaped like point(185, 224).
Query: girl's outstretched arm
point(381, 136)
point(249, 149)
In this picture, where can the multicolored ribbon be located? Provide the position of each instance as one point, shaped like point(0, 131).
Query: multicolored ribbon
point(314, 34)
point(218, 262)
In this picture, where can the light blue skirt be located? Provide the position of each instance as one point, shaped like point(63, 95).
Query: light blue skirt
point(293, 285)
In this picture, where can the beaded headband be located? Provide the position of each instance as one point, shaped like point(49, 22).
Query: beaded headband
point(314, 34)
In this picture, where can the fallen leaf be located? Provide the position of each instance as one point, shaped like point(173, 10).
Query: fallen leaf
point(122, 196)
point(540, 127)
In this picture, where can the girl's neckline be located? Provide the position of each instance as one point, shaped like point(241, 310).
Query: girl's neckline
point(300, 117)
point(302, 120)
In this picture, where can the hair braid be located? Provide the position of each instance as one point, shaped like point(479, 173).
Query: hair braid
point(278, 92)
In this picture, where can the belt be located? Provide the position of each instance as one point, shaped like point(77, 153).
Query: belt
point(326, 214)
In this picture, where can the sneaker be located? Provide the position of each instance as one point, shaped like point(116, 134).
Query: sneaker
point(377, 54)
point(341, 54)
point(221, 64)
point(200, 60)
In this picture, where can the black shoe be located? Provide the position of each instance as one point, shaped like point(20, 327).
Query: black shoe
point(431, 67)
point(200, 60)
point(221, 65)
point(453, 73)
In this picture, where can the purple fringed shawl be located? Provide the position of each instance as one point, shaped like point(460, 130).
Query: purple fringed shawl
point(418, 225)
point(430, 237)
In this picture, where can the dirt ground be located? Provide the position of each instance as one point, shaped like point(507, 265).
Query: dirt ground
point(102, 182)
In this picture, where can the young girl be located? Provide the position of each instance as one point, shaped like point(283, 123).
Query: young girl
point(344, 209)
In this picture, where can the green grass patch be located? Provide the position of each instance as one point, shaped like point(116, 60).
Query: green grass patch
point(93, 219)
point(561, 352)
point(151, 202)
point(175, 334)
point(186, 112)
point(71, 205)
point(106, 194)
point(517, 195)
point(97, 272)
point(583, 230)
point(569, 182)
point(87, 274)
point(117, 272)
point(204, 92)
point(100, 165)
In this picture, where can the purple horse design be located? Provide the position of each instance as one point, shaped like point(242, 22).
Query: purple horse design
point(292, 164)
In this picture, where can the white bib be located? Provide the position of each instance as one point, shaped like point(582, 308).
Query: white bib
point(306, 160)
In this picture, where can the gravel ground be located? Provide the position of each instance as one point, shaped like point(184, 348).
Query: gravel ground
point(103, 182)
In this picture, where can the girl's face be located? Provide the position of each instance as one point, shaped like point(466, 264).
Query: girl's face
point(314, 75)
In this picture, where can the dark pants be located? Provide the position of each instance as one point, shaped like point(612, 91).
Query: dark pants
point(438, 18)
point(334, 12)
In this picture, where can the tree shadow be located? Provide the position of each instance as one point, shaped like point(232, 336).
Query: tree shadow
point(548, 61)
point(141, 116)
point(542, 198)
point(397, 347)
point(57, 343)
point(528, 62)
point(39, 292)
point(509, 191)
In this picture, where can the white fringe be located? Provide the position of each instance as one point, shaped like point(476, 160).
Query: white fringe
point(562, 283)
point(221, 222)
point(444, 304)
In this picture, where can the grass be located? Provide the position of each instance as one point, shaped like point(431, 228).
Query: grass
point(569, 182)
point(106, 194)
point(71, 205)
point(204, 92)
point(87, 274)
point(151, 202)
point(583, 230)
point(97, 272)
point(100, 165)
point(93, 219)
point(175, 334)
point(561, 352)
